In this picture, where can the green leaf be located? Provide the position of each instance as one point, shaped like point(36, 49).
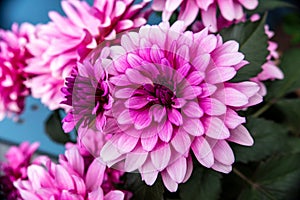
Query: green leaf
point(203, 184)
point(269, 138)
point(267, 5)
point(253, 43)
point(290, 66)
point(293, 145)
point(278, 178)
point(53, 128)
point(140, 190)
point(290, 109)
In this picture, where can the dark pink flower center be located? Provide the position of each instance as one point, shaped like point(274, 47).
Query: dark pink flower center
point(160, 94)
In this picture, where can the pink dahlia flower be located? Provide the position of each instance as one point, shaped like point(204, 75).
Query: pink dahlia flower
point(65, 40)
point(13, 56)
point(171, 97)
point(74, 178)
point(88, 93)
point(15, 167)
point(189, 9)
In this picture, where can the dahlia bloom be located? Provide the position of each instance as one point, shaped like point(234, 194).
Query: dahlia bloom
point(13, 56)
point(65, 40)
point(88, 93)
point(171, 97)
point(189, 9)
point(73, 178)
point(17, 161)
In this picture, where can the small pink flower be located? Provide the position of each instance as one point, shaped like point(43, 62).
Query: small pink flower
point(18, 158)
point(89, 97)
point(270, 70)
point(189, 9)
point(171, 97)
point(65, 40)
point(13, 56)
point(74, 178)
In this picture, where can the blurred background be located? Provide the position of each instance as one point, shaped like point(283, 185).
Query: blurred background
point(30, 125)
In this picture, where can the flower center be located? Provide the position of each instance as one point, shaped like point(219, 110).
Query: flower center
point(160, 94)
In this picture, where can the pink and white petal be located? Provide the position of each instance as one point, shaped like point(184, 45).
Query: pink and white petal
point(63, 178)
point(96, 194)
point(159, 112)
point(192, 109)
point(158, 5)
point(221, 167)
point(241, 135)
point(209, 18)
point(142, 120)
point(232, 119)
point(195, 78)
point(220, 75)
point(215, 128)
point(175, 117)
point(136, 102)
point(250, 5)
point(75, 160)
point(136, 77)
point(227, 9)
point(203, 151)
point(94, 175)
point(149, 142)
point(248, 88)
point(207, 89)
point(223, 152)
point(188, 12)
point(194, 127)
point(208, 44)
point(126, 142)
point(161, 157)
point(201, 62)
point(109, 152)
point(177, 169)
point(170, 184)
point(79, 185)
point(191, 92)
point(189, 169)
point(229, 46)
point(114, 195)
point(124, 93)
point(172, 5)
point(148, 172)
point(165, 131)
point(228, 59)
point(231, 97)
point(134, 160)
point(181, 142)
point(212, 106)
point(204, 4)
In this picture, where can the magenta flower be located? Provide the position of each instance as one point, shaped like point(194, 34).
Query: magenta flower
point(189, 9)
point(87, 92)
point(65, 40)
point(15, 167)
point(13, 56)
point(74, 178)
point(171, 97)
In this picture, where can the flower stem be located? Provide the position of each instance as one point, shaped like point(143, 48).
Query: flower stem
point(264, 108)
point(253, 184)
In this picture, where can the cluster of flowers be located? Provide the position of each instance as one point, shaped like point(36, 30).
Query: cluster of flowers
point(142, 100)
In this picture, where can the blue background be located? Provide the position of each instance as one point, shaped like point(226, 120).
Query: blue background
point(31, 127)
